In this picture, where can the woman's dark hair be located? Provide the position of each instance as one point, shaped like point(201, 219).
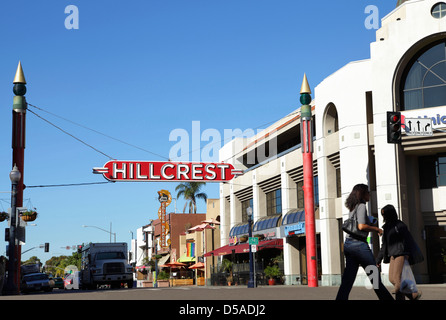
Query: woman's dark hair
point(389, 214)
point(357, 196)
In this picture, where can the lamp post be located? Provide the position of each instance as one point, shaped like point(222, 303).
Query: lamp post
point(19, 108)
point(11, 287)
point(111, 233)
point(251, 283)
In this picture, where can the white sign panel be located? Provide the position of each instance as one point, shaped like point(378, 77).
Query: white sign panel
point(418, 126)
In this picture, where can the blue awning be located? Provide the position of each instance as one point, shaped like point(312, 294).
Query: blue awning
point(239, 229)
point(267, 222)
point(294, 222)
point(294, 216)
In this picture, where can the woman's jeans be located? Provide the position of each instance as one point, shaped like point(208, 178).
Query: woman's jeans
point(358, 253)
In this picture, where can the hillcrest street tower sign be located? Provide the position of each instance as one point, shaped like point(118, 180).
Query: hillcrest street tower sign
point(153, 171)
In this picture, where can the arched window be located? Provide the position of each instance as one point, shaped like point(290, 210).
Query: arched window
point(330, 120)
point(425, 79)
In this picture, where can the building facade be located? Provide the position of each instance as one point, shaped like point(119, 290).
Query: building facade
point(406, 72)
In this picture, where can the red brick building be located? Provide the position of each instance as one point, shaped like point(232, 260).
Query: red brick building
point(179, 223)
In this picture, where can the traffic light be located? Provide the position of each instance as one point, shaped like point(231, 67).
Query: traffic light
point(47, 247)
point(393, 127)
point(79, 248)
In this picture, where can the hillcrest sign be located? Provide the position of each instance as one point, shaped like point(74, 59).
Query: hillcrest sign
point(152, 171)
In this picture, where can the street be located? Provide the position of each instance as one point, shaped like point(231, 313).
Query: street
point(266, 302)
point(234, 293)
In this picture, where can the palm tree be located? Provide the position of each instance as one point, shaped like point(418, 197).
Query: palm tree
point(190, 191)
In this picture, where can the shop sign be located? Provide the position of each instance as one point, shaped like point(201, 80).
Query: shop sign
point(150, 171)
point(298, 228)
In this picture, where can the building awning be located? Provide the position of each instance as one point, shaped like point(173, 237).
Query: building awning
point(294, 223)
point(294, 216)
point(244, 247)
point(267, 222)
point(186, 259)
point(163, 259)
point(239, 229)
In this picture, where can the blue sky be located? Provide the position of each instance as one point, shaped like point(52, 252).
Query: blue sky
point(137, 70)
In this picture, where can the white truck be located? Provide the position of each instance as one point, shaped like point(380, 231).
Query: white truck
point(105, 264)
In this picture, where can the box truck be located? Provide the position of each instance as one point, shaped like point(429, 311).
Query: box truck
point(105, 264)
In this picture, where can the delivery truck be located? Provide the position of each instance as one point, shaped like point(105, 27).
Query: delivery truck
point(105, 264)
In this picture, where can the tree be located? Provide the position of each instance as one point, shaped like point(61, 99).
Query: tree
point(32, 260)
point(190, 191)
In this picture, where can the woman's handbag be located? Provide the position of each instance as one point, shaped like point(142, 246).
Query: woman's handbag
point(350, 226)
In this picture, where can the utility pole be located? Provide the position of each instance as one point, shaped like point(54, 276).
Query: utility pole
point(307, 155)
point(18, 152)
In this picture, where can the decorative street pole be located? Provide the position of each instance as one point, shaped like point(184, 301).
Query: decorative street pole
point(11, 287)
point(308, 188)
point(18, 148)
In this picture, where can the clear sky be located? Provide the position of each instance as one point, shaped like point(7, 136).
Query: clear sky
point(136, 71)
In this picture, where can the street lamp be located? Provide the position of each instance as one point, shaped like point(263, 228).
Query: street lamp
point(111, 233)
point(11, 287)
point(251, 282)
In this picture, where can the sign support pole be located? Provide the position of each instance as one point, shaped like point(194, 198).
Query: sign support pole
point(307, 155)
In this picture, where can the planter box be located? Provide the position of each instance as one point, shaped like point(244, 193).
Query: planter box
point(149, 284)
point(201, 281)
point(181, 282)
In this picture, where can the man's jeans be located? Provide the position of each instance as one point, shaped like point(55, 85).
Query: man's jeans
point(358, 253)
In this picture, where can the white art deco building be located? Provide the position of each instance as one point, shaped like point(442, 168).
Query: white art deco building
point(406, 72)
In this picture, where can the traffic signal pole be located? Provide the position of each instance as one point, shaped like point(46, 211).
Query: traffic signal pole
point(307, 156)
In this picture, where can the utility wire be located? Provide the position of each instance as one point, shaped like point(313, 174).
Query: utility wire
point(67, 133)
point(98, 132)
point(67, 184)
point(142, 149)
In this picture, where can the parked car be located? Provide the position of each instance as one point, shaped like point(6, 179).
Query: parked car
point(72, 281)
point(57, 282)
point(36, 282)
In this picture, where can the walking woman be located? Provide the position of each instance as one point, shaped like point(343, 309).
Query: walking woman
point(357, 251)
point(398, 245)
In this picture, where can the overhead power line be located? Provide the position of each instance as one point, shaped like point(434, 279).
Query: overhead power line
point(67, 133)
point(96, 131)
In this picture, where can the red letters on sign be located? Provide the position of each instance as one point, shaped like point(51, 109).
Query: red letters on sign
point(117, 170)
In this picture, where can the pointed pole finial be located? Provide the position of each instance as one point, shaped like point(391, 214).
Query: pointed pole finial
point(305, 86)
point(19, 76)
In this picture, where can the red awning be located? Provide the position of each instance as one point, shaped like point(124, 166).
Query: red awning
point(244, 247)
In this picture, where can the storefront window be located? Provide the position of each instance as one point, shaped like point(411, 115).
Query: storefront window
point(425, 82)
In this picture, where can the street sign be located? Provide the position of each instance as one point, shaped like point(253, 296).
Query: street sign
point(418, 126)
point(150, 171)
point(253, 241)
point(253, 248)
